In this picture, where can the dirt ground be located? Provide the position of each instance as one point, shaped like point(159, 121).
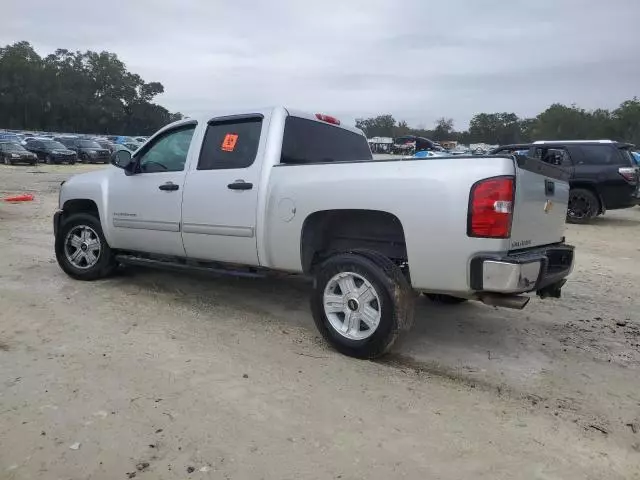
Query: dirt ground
point(158, 375)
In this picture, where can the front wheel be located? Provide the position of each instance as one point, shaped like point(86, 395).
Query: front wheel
point(583, 206)
point(7, 161)
point(361, 302)
point(82, 250)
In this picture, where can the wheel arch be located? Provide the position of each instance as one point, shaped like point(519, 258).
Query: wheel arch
point(81, 205)
point(330, 231)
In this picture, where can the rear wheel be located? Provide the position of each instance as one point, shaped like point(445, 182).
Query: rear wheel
point(444, 299)
point(361, 302)
point(81, 249)
point(49, 160)
point(583, 206)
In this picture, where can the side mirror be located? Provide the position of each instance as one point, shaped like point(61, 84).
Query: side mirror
point(121, 159)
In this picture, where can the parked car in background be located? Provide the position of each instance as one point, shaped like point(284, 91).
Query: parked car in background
point(26, 140)
point(12, 153)
point(430, 154)
point(88, 151)
point(410, 144)
point(104, 143)
point(52, 152)
point(603, 174)
point(248, 192)
point(9, 137)
point(119, 147)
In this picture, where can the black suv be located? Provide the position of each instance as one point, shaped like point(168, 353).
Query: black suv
point(51, 152)
point(89, 151)
point(603, 173)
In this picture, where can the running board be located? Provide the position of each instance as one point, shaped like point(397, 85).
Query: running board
point(185, 267)
point(517, 302)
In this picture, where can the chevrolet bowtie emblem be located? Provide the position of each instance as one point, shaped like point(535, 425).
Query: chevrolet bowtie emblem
point(548, 206)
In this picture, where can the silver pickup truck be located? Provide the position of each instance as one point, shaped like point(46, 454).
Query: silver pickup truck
point(277, 189)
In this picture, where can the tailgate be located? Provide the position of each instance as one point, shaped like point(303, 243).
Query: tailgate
point(540, 208)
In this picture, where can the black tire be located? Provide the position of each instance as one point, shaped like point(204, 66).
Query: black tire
point(583, 206)
point(445, 299)
point(49, 160)
point(8, 161)
point(72, 162)
point(392, 288)
point(106, 263)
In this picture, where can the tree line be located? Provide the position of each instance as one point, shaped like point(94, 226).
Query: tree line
point(555, 123)
point(86, 92)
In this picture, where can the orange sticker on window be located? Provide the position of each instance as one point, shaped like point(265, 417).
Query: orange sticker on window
point(229, 142)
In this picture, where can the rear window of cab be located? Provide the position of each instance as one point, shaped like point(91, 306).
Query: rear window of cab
point(309, 141)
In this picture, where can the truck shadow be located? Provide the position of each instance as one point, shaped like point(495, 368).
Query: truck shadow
point(471, 329)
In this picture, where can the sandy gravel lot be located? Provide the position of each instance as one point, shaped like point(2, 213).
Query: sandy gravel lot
point(157, 375)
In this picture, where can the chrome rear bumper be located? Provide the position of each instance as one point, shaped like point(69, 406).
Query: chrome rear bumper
point(543, 270)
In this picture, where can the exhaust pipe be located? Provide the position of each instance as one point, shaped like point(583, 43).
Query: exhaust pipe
point(517, 302)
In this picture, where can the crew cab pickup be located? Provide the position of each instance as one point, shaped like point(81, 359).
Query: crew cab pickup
point(277, 189)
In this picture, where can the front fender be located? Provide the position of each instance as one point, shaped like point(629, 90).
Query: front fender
point(83, 191)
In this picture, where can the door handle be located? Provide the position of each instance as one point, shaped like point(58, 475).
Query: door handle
point(169, 186)
point(549, 188)
point(240, 185)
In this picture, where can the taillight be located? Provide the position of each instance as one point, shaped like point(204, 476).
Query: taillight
point(491, 208)
point(630, 174)
point(327, 118)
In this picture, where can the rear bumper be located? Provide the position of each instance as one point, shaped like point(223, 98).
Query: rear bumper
point(623, 197)
point(543, 270)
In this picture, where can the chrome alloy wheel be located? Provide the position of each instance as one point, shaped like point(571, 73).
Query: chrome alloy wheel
point(82, 247)
point(352, 306)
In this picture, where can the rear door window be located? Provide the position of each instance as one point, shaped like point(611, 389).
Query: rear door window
point(599, 155)
point(553, 155)
point(307, 141)
point(230, 144)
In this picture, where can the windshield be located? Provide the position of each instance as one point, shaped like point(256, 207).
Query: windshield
point(11, 147)
point(53, 145)
point(88, 144)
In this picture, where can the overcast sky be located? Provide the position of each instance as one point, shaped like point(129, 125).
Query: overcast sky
point(416, 59)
